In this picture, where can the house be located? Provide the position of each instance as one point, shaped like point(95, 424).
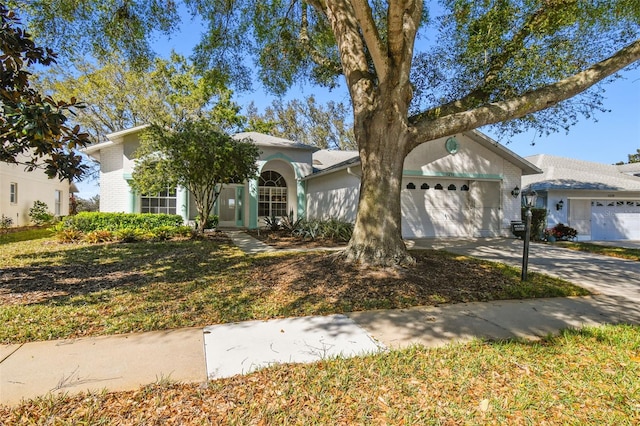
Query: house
point(20, 188)
point(459, 186)
point(601, 201)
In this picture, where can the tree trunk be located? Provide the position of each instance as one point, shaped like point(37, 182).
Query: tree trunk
point(377, 235)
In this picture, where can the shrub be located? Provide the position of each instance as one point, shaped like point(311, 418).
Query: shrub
point(5, 224)
point(272, 223)
point(332, 229)
point(93, 221)
point(211, 223)
point(39, 213)
point(562, 232)
point(95, 237)
point(290, 224)
point(163, 233)
point(69, 236)
point(130, 235)
point(538, 223)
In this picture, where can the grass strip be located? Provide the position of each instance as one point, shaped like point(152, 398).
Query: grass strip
point(619, 252)
point(588, 376)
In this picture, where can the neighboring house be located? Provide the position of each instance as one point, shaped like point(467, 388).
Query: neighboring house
point(20, 188)
point(455, 187)
point(602, 202)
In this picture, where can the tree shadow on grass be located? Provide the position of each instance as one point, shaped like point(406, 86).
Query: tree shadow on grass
point(83, 270)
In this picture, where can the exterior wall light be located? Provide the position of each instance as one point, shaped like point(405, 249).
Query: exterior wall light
point(560, 205)
point(515, 192)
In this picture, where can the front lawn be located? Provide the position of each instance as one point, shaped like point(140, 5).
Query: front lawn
point(50, 290)
point(579, 377)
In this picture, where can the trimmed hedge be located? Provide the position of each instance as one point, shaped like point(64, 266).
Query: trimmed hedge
point(96, 221)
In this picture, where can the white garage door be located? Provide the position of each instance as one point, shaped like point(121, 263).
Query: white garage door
point(435, 208)
point(615, 220)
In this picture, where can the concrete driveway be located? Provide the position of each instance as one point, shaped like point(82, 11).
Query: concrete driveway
point(605, 275)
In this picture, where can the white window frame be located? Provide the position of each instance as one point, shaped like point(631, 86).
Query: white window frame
point(164, 202)
point(13, 193)
point(272, 195)
point(57, 198)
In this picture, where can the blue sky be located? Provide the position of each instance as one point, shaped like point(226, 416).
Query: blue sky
point(608, 139)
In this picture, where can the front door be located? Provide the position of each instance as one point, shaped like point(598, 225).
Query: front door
point(227, 204)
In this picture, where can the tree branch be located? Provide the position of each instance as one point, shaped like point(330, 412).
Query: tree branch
point(426, 130)
point(481, 93)
point(317, 57)
point(371, 37)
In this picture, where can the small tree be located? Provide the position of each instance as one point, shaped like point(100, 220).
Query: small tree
point(196, 156)
point(39, 213)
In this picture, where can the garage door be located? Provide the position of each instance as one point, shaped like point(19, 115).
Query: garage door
point(435, 208)
point(615, 220)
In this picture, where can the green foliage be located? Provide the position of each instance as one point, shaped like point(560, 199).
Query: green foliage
point(130, 235)
point(272, 223)
point(332, 229)
point(327, 126)
point(122, 96)
point(538, 222)
point(100, 236)
point(211, 222)
point(5, 223)
point(39, 213)
point(290, 224)
point(196, 155)
point(69, 236)
point(96, 221)
point(33, 126)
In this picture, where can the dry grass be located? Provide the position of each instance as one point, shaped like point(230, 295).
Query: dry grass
point(50, 290)
point(580, 377)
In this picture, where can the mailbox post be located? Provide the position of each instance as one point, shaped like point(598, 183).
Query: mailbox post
point(529, 199)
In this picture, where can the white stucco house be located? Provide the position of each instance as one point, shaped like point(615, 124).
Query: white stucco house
point(459, 186)
point(19, 189)
point(601, 201)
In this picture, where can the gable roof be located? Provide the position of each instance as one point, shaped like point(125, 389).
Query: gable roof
point(326, 161)
point(262, 139)
point(569, 173)
point(259, 139)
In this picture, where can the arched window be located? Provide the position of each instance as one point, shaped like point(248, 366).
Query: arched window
point(438, 187)
point(272, 194)
point(451, 187)
point(424, 186)
point(464, 188)
point(410, 185)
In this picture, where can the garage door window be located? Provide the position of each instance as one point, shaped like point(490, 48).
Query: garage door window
point(451, 187)
point(438, 187)
point(424, 186)
point(411, 185)
point(464, 188)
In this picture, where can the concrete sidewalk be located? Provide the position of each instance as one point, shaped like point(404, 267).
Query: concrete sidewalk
point(126, 362)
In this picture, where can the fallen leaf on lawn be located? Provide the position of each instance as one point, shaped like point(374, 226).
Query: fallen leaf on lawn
point(484, 405)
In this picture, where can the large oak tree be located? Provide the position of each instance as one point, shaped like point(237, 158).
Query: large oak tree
point(476, 63)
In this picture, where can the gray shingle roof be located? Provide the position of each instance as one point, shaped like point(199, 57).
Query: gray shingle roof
point(324, 158)
point(569, 173)
point(261, 139)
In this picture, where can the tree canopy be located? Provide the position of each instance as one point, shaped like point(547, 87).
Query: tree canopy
point(415, 73)
point(119, 96)
point(195, 155)
point(305, 121)
point(33, 127)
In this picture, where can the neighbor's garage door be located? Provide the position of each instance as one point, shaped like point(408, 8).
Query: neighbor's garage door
point(435, 208)
point(615, 220)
